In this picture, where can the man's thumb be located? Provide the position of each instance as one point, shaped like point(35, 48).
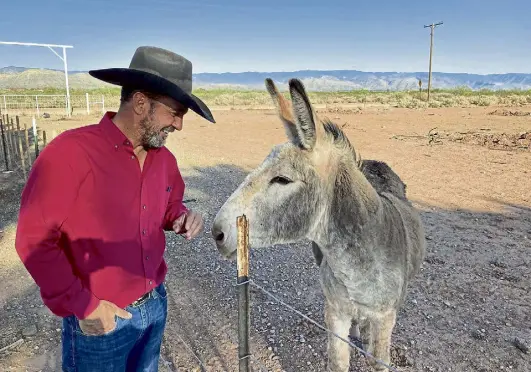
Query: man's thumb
point(123, 314)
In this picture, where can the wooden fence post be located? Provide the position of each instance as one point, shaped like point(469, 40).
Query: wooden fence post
point(10, 140)
point(243, 292)
point(20, 149)
point(15, 138)
point(28, 152)
point(4, 144)
point(44, 141)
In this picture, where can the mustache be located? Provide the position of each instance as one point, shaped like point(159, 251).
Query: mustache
point(168, 129)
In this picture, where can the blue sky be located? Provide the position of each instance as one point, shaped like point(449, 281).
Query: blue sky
point(274, 35)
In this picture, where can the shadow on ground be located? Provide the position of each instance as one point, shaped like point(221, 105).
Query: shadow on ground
point(464, 311)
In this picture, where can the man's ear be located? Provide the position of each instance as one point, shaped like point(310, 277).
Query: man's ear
point(140, 102)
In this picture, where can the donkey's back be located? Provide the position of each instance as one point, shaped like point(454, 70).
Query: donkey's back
point(383, 178)
point(391, 187)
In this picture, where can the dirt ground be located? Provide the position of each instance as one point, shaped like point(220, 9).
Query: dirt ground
point(468, 171)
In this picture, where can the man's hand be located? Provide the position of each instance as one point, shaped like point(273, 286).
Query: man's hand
point(190, 224)
point(101, 320)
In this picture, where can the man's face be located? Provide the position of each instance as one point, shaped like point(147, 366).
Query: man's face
point(164, 116)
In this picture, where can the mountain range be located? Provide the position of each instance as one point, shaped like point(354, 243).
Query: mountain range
point(13, 77)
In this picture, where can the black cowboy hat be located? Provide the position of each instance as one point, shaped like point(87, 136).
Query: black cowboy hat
point(159, 71)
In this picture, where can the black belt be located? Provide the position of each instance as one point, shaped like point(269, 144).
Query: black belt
point(142, 299)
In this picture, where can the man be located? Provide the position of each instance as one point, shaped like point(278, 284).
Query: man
point(93, 215)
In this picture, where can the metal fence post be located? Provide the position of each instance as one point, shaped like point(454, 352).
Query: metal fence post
point(243, 293)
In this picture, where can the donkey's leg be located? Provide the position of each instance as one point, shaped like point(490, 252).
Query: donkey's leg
point(382, 328)
point(366, 336)
point(338, 350)
point(355, 329)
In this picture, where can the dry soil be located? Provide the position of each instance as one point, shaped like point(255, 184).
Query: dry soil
point(467, 170)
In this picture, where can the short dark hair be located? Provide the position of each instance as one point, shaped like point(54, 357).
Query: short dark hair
point(128, 92)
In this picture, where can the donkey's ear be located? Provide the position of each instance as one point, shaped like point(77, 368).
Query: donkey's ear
point(283, 107)
point(306, 120)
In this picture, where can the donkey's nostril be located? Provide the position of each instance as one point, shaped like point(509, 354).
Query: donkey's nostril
point(217, 233)
point(220, 236)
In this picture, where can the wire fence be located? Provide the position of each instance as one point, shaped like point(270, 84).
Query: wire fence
point(242, 286)
point(42, 104)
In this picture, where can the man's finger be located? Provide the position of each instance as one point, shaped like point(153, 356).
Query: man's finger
point(179, 221)
point(198, 227)
point(195, 230)
point(123, 313)
point(189, 221)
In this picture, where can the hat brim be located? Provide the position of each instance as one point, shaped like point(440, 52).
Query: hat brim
point(153, 83)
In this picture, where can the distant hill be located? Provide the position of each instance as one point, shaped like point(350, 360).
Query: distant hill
point(316, 80)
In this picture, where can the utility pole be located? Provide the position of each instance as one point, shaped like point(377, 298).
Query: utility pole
point(432, 27)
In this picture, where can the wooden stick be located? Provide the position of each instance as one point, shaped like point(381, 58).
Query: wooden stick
point(44, 141)
point(243, 292)
point(12, 346)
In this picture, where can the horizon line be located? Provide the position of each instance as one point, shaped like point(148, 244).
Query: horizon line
point(295, 71)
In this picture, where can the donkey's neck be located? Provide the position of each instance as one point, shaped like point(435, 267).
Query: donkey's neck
point(353, 211)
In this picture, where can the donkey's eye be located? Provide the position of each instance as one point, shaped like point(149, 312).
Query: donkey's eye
point(281, 180)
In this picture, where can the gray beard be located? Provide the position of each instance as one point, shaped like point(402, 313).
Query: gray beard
point(152, 138)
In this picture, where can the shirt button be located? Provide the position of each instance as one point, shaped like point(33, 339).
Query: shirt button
point(147, 257)
point(144, 206)
point(144, 232)
point(150, 282)
point(116, 147)
point(132, 156)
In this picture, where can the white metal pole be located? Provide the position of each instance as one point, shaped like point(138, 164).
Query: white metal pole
point(49, 46)
point(68, 107)
point(37, 105)
point(34, 124)
point(88, 104)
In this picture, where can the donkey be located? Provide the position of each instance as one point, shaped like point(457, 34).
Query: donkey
point(367, 238)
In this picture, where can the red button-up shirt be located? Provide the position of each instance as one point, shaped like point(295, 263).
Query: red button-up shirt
point(91, 223)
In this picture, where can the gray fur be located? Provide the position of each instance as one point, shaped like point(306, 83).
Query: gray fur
point(367, 238)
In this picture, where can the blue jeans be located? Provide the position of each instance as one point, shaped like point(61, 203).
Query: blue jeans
point(134, 345)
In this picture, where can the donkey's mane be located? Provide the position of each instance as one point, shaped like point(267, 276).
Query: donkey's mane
point(340, 139)
point(381, 177)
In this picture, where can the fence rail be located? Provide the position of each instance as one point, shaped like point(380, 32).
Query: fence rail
point(39, 104)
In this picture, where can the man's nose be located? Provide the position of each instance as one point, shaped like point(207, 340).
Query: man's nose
point(178, 124)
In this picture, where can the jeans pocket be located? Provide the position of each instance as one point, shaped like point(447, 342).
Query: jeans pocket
point(161, 291)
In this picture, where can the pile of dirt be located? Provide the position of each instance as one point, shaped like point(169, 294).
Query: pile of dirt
point(504, 141)
point(509, 113)
point(491, 140)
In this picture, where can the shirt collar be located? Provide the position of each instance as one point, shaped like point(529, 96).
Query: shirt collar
point(112, 132)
